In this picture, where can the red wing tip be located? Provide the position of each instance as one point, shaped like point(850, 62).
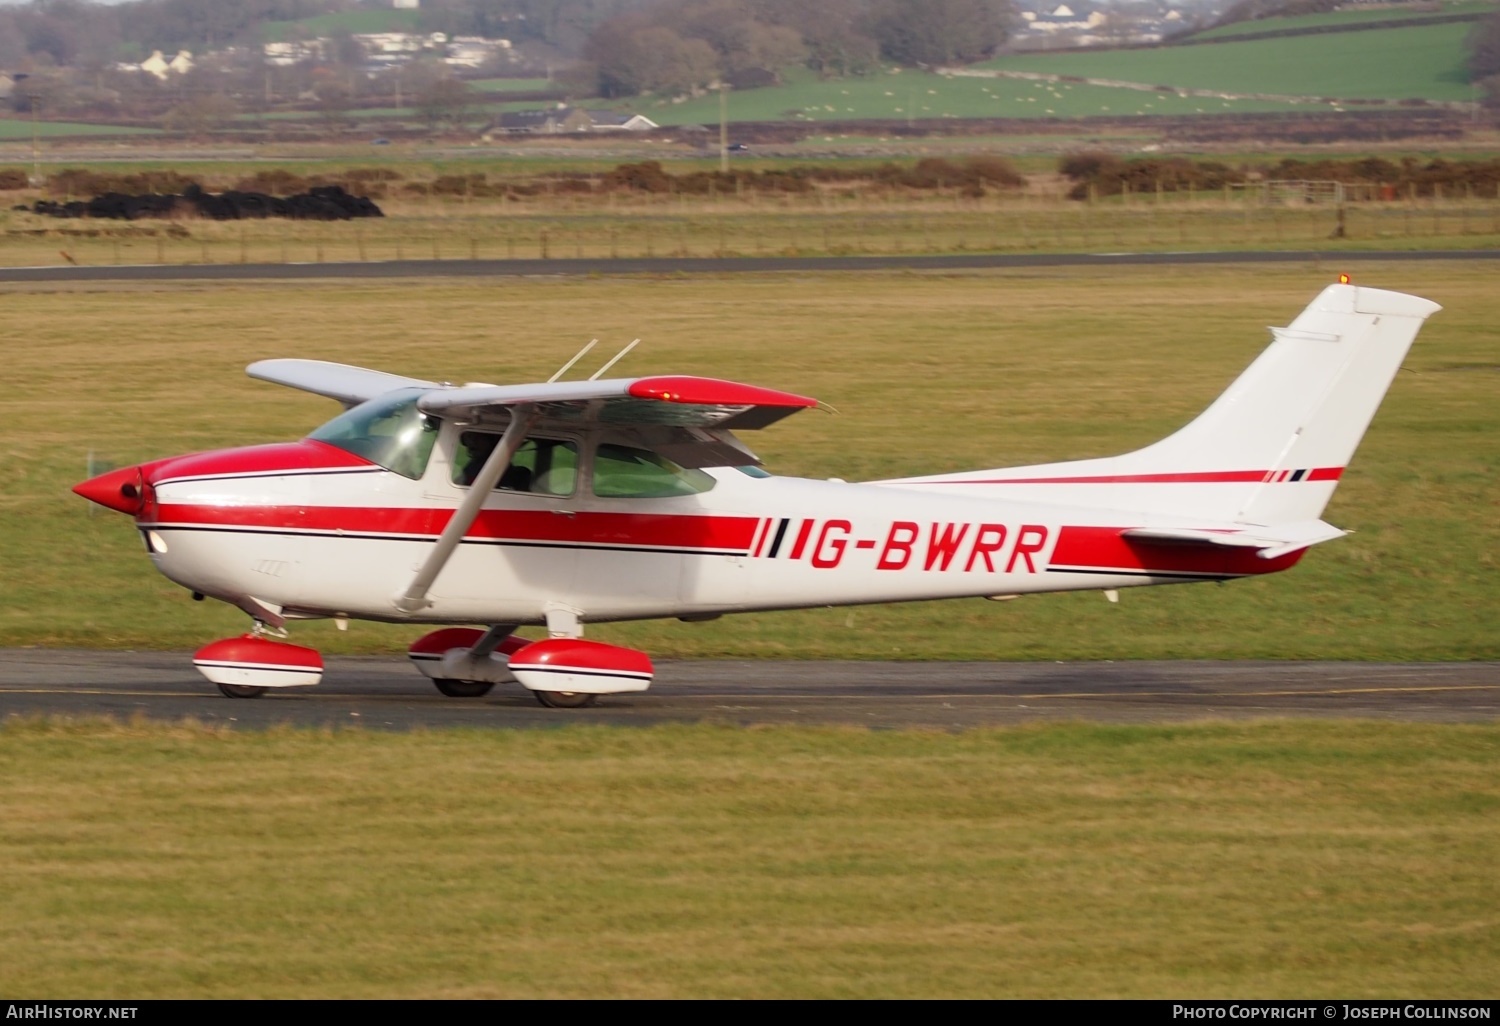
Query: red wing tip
point(715, 392)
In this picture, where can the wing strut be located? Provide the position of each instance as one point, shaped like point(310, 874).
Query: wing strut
point(415, 596)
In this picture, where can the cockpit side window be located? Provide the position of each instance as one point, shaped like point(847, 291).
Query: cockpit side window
point(623, 472)
point(389, 431)
point(541, 466)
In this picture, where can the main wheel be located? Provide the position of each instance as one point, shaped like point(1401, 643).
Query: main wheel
point(565, 699)
point(241, 690)
point(462, 688)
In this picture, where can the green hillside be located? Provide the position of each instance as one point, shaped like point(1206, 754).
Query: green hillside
point(364, 20)
point(17, 128)
point(1347, 19)
point(922, 96)
point(1424, 61)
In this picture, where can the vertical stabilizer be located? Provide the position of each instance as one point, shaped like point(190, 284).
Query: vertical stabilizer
point(1269, 450)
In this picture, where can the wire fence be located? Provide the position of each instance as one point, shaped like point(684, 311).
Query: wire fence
point(1144, 222)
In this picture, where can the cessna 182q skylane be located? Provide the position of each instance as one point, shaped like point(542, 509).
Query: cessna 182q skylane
point(572, 502)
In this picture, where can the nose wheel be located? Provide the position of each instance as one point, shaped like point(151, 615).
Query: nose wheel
point(241, 691)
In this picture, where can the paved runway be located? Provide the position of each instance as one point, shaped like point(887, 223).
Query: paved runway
point(701, 265)
point(386, 693)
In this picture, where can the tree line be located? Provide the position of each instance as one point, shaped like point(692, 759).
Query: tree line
point(623, 46)
point(671, 47)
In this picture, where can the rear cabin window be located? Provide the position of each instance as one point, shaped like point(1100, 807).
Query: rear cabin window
point(541, 466)
point(621, 472)
point(389, 431)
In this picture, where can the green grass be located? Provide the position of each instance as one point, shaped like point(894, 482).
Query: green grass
point(1352, 19)
point(357, 21)
point(1425, 61)
point(511, 85)
point(17, 128)
point(930, 373)
point(922, 96)
point(1249, 860)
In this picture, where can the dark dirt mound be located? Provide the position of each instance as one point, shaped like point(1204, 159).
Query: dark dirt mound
point(320, 203)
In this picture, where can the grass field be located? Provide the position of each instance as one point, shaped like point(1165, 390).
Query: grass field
point(18, 128)
point(366, 20)
point(511, 85)
point(930, 372)
point(1344, 19)
point(1262, 860)
point(1425, 61)
point(922, 96)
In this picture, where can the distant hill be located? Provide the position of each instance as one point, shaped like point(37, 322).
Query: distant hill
point(1392, 64)
point(1354, 19)
point(1421, 60)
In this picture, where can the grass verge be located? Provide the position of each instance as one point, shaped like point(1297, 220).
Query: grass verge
point(1268, 860)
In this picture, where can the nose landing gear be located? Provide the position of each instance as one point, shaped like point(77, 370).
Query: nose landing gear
point(246, 666)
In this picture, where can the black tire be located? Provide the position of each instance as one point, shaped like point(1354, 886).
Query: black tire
point(462, 688)
point(241, 690)
point(565, 699)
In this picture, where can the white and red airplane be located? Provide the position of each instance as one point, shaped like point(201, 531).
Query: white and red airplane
point(575, 502)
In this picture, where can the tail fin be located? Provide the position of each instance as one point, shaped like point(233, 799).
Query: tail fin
point(1271, 448)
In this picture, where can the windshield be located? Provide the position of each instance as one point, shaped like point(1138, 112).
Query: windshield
point(388, 430)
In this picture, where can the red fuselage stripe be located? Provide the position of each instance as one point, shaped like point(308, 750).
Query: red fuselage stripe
point(651, 529)
point(1198, 477)
point(1105, 548)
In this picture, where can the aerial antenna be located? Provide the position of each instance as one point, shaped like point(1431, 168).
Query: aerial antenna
point(618, 357)
point(569, 365)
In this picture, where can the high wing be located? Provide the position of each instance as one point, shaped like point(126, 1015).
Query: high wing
point(672, 401)
point(687, 419)
point(349, 385)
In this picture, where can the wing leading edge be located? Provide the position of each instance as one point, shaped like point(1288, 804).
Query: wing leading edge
point(669, 401)
point(688, 419)
point(348, 384)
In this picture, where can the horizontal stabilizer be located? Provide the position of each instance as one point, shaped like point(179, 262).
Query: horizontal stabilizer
point(1270, 541)
point(349, 385)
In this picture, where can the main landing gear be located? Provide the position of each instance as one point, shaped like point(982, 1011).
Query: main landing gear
point(462, 662)
point(463, 688)
point(246, 666)
point(563, 673)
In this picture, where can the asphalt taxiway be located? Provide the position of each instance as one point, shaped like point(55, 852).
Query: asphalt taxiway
point(703, 265)
point(388, 694)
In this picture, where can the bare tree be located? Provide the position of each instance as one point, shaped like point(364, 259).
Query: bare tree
point(443, 101)
point(937, 32)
